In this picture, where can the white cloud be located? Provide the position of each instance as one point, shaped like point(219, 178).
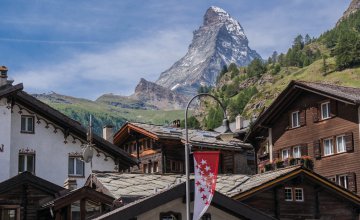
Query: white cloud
point(119, 67)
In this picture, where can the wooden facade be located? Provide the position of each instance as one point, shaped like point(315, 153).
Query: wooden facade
point(312, 197)
point(308, 119)
point(164, 152)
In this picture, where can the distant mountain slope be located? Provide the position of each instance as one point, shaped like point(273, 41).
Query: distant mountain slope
point(219, 41)
point(106, 113)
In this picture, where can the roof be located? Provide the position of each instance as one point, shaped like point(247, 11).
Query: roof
point(260, 182)
point(219, 201)
point(30, 179)
point(121, 185)
point(76, 195)
point(196, 137)
point(344, 94)
point(66, 123)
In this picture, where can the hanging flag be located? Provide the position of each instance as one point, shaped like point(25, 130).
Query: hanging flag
point(205, 169)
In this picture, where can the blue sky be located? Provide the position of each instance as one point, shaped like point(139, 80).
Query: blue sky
point(91, 47)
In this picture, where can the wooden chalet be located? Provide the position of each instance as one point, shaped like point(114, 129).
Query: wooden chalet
point(169, 204)
point(160, 149)
point(297, 193)
point(29, 197)
point(315, 123)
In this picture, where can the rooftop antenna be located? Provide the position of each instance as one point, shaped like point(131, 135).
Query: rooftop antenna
point(88, 150)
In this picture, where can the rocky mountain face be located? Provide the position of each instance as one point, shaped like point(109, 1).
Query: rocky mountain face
point(159, 96)
point(219, 41)
point(353, 7)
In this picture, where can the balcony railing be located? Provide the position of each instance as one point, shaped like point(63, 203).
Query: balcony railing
point(305, 161)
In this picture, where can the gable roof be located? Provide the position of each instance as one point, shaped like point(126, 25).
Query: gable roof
point(260, 182)
point(219, 201)
point(30, 179)
point(196, 137)
point(344, 94)
point(76, 195)
point(127, 185)
point(67, 124)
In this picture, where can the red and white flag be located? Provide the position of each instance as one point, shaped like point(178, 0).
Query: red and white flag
point(205, 169)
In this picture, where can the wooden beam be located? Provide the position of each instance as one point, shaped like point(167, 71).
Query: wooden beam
point(276, 203)
point(82, 209)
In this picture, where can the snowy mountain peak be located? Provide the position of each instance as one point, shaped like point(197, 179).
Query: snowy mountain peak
point(219, 41)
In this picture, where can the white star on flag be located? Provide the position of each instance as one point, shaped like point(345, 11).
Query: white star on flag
point(205, 181)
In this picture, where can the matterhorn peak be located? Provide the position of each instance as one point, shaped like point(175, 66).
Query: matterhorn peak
point(219, 41)
point(215, 15)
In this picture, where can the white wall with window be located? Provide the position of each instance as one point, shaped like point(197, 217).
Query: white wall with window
point(51, 161)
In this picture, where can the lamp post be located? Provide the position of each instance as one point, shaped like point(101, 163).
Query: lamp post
point(227, 133)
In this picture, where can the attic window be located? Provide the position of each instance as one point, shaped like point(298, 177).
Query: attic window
point(295, 119)
point(325, 110)
point(27, 124)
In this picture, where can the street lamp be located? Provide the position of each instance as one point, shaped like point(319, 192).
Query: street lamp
point(226, 136)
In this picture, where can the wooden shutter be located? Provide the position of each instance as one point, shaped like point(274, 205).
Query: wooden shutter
point(302, 115)
point(304, 150)
point(276, 154)
point(349, 141)
point(317, 149)
point(351, 182)
point(333, 108)
point(315, 114)
point(289, 121)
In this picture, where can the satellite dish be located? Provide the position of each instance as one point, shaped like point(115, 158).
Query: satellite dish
point(88, 153)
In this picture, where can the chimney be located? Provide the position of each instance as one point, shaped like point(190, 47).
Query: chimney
point(70, 184)
point(108, 133)
point(176, 123)
point(3, 75)
point(239, 122)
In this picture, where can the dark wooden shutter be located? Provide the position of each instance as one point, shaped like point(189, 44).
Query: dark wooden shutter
point(333, 108)
point(276, 154)
point(289, 121)
point(302, 115)
point(315, 114)
point(349, 141)
point(351, 182)
point(317, 149)
point(304, 150)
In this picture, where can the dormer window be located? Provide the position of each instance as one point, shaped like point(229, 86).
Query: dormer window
point(295, 119)
point(325, 110)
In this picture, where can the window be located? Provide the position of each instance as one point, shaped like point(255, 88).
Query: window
point(170, 216)
point(285, 154)
point(295, 120)
point(343, 181)
point(299, 194)
point(156, 167)
point(76, 166)
point(288, 194)
point(8, 213)
point(206, 216)
point(297, 152)
point(149, 168)
point(328, 147)
point(340, 144)
point(27, 124)
point(175, 166)
point(325, 110)
point(332, 179)
point(27, 163)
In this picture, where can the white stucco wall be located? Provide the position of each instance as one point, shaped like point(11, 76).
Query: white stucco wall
point(51, 159)
point(178, 206)
point(5, 141)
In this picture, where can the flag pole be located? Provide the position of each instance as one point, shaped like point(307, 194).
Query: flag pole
point(188, 147)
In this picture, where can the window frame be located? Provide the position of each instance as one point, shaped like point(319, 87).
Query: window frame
point(177, 215)
point(25, 162)
point(302, 195)
point(291, 193)
point(331, 140)
point(343, 144)
point(328, 113)
point(346, 181)
point(282, 153)
point(26, 126)
point(75, 167)
point(293, 125)
point(299, 151)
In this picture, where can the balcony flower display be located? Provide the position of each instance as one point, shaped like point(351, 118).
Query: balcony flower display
point(307, 162)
